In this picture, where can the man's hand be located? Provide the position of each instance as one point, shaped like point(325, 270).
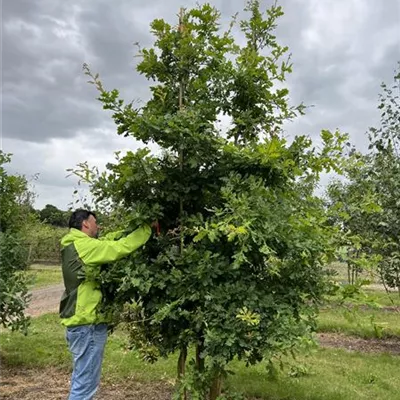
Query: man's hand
point(156, 226)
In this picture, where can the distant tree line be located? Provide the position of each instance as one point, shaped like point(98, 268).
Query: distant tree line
point(53, 216)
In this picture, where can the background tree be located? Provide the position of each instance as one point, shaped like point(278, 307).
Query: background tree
point(14, 203)
point(385, 172)
point(52, 215)
point(366, 205)
point(15, 198)
point(354, 208)
point(237, 269)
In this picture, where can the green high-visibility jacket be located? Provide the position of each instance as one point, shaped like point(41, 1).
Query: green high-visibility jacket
point(81, 298)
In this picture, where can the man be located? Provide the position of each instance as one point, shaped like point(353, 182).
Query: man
point(86, 327)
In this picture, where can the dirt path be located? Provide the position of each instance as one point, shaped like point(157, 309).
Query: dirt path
point(53, 384)
point(353, 343)
point(45, 300)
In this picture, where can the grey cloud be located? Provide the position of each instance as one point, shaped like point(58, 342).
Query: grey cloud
point(63, 198)
point(43, 93)
point(343, 83)
point(48, 105)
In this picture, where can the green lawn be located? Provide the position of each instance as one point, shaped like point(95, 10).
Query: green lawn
point(341, 273)
point(42, 276)
point(329, 374)
point(366, 323)
point(325, 374)
point(383, 298)
point(372, 314)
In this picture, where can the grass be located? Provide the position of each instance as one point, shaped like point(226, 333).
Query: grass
point(325, 374)
point(371, 313)
point(42, 276)
point(365, 323)
point(368, 297)
point(382, 298)
point(371, 298)
point(43, 346)
point(341, 273)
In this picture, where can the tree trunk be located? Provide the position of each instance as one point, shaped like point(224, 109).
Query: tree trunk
point(397, 282)
point(181, 367)
point(28, 261)
point(199, 360)
point(216, 387)
point(348, 273)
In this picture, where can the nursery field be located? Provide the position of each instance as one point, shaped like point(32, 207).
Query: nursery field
point(358, 357)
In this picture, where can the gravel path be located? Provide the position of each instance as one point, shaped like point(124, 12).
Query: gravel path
point(45, 300)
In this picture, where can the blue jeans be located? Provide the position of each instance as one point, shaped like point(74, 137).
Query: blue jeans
point(86, 343)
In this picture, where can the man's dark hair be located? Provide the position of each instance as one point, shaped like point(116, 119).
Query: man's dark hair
point(78, 216)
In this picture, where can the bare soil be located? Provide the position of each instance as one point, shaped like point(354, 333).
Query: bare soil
point(353, 343)
point(53, 384)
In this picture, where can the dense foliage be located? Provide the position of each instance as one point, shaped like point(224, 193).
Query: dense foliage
point(15, 198)
point(354, 208)
point(237, 268)
point(366, 206)
point(385, 172)
point(13, 258)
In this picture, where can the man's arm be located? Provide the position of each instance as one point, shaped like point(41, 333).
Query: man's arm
point(94, 251)
point(112, 235)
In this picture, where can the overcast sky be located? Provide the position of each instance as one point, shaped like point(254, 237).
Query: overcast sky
point(341, 49)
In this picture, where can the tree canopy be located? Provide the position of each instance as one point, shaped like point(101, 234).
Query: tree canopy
point(237, 268)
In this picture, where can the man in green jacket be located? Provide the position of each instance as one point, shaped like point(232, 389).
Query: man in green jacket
point(86, 327)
